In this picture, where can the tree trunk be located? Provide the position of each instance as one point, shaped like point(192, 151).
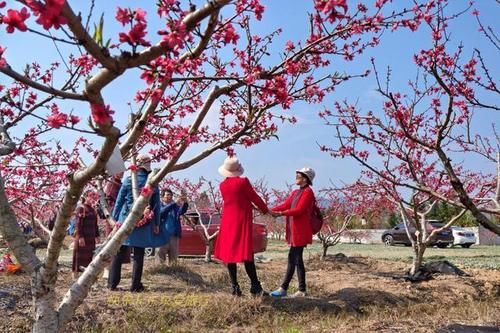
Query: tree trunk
point(44, 297)
point(325, 250)
point(44, 300)
point(208, 251)
point(418, 256)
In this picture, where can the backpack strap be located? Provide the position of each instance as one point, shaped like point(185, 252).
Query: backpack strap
point(295, 198)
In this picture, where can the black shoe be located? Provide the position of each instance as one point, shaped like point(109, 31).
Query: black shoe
point(236, 291)
point(257, 291)
point(138, 289)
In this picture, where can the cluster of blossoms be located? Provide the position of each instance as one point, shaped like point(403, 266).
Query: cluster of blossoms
point(227, 35)
point(137, 19)
point(101, 114)
point(49, 15)
point(331, 8)
point(253, 5)
point(3, 62)
point(58, 119)
point(85, 63)
point(14, 19)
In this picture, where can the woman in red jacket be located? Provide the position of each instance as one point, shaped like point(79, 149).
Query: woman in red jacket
point(235, 240)
point(297, 209)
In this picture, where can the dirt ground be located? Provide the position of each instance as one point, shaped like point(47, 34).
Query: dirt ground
point(355, 294)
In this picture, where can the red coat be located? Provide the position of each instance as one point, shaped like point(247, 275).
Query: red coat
point(235, 239)
point(298, 218)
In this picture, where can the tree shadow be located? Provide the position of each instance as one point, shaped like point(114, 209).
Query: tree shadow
point(12, 294)
point(355, 299)
point(345, 300)
point(181, 273)
point(458, 328)
point(7, 300)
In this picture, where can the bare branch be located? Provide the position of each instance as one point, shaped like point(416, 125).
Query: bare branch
point(7, 70)
point(7, 146)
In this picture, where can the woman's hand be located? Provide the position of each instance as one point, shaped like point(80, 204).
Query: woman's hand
point(81, 241)
point(276, 214)
point(156, 229)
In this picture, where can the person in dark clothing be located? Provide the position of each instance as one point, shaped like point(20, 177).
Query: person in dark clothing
point(52, 219)
point(52, 222)
point(86, 236)
point(111, 190)
point(171, 213)
point(151, 234)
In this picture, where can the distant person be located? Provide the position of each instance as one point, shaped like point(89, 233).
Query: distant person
point(235, 240)
point(25, 227)
point(86, 235)
point(52, 219)
point(170, 216)
point(111, 189)
point(70, 230)
point(144, 236)
point(297, 209)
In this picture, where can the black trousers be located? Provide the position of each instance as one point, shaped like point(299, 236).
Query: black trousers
point(115, 272)
point(251, 272)
point(295, 260)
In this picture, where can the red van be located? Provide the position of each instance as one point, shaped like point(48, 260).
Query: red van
point(192, 242)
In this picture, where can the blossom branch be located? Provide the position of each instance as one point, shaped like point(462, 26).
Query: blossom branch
point(7, 70)
point(78, 30)
point(139, 126)
point(190, 22)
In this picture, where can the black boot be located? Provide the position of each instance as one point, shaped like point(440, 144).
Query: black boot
point(236, 291)
point(138, 289)
point(256, 290)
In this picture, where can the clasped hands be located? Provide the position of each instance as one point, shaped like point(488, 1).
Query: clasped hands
point(275, 214)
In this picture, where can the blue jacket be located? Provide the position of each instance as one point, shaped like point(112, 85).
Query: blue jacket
point(143, 236)
point(170, 217)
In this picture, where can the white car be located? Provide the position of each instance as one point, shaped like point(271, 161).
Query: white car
point(463, 237)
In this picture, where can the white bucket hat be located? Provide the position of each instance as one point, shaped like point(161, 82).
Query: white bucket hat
point(308, 172)
point(144, 161)
point(231, 167)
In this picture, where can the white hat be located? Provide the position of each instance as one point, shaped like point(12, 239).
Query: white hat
point(231, 167)
point(143, 161)
point(308, 172)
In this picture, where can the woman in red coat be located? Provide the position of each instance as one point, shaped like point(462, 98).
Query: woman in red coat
point(235, 240)
point(298, 209)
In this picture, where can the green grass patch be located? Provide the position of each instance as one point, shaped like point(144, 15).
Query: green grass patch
point(477, 256)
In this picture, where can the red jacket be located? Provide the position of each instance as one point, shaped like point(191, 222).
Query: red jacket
point(235, 239)
point(298, 218)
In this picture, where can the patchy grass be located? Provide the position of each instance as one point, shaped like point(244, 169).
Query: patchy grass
point(356, 293)
point(477, 256)
point(353, 294)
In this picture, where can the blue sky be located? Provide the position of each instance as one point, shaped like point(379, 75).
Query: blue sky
point(298, 144)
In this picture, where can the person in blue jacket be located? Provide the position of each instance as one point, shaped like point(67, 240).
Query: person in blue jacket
point(151, 234)
point(170, 217)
